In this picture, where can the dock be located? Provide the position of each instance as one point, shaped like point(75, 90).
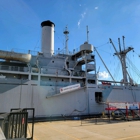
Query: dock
point(75, 130)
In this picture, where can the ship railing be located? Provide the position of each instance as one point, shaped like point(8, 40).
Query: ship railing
point(63, 51)
point(32, 52)
point(56, 84)
point(65, 117)
point(114, 117)
point(52, 93)
point(36, 51)
point(104, 82)
point(15, 123)
point(14, 68)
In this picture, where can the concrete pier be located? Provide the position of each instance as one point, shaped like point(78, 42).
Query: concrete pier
point(73, 130)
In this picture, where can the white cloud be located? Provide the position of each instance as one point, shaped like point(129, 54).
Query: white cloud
point(96, 8)
point(82, 17)
point(79, 22)
point(104, 74)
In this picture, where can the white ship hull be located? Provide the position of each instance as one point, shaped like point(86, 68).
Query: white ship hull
point(78, 102)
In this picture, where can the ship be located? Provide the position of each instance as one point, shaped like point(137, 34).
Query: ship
point(55, 83)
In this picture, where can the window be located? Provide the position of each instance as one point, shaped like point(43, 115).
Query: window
point(91, 81)
point(34, 77)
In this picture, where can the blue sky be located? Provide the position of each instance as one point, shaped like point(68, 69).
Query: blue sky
point(20, 26)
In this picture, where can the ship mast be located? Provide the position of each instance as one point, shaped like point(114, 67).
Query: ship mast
point(122, 56)
point(87, 35)
point(66, 32)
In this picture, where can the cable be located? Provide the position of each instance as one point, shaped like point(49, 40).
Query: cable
point(134, 68)
point(103, 45)
point(75, 110)
point(116, 71)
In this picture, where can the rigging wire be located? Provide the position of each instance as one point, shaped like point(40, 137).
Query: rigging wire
point(60, 37)
point(116, 71)
point(110, 59)
point(37, 45)
point(136, 53)
point(104, 51)
point(131, 59)
point(130, 64)
point(115, 41)
point(127, 62)
point(102, 45)
point(135, 69)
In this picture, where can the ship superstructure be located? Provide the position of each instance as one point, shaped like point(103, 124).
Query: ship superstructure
point(56, 84)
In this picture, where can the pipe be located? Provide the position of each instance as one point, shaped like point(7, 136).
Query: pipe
point(15, 56)
point(66, 67)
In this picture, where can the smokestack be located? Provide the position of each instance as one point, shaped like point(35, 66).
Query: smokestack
point(47, 46)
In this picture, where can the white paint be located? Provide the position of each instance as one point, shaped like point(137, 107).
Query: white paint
point(47, 40)
point(69, 88)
